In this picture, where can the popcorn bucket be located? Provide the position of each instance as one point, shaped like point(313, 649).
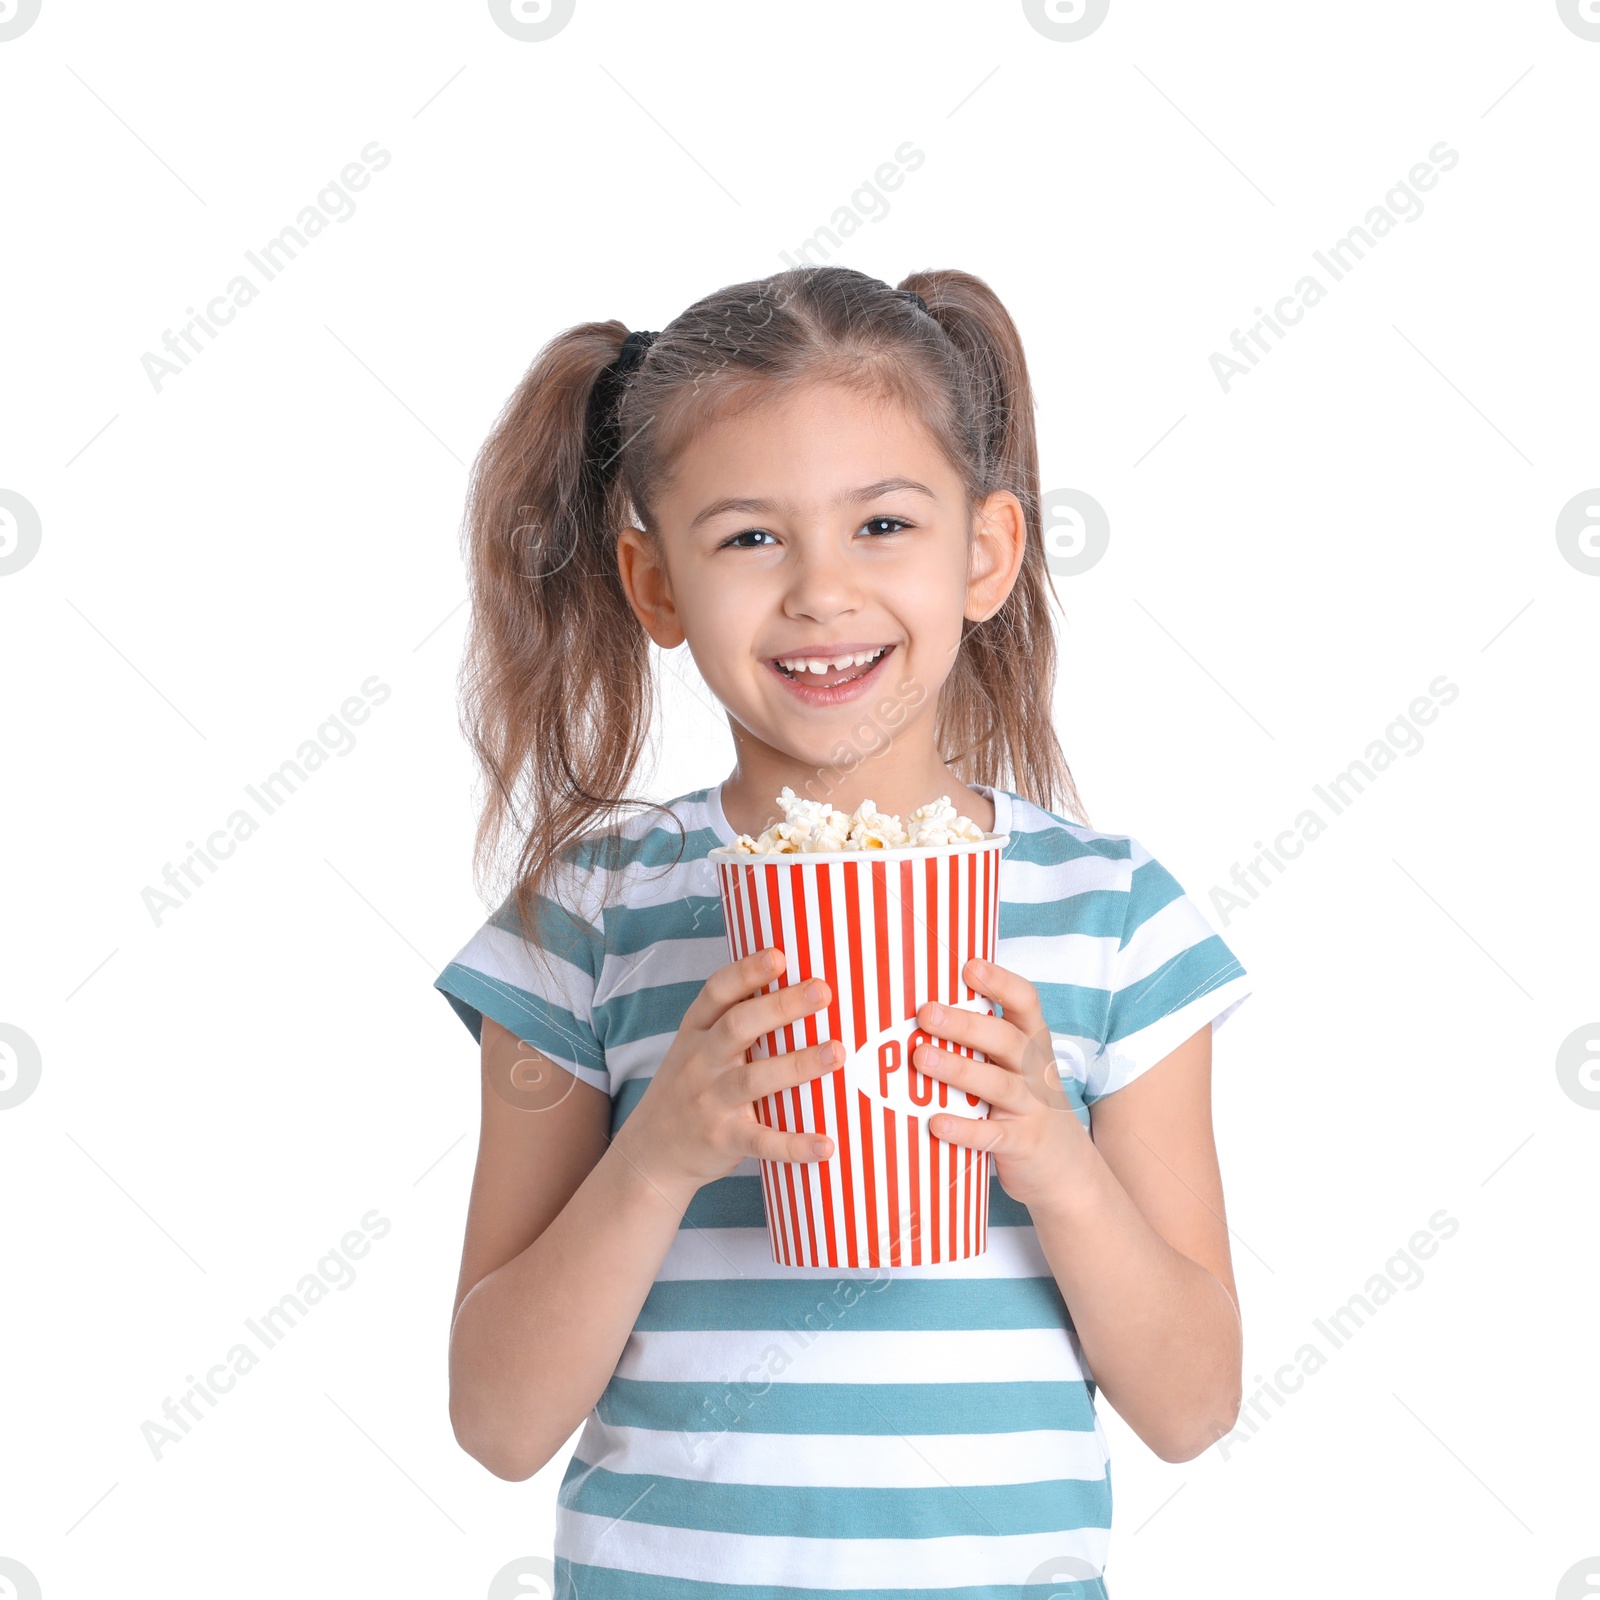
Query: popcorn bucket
point(888, 931)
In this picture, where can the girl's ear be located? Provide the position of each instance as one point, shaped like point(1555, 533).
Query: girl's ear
point(999, 542)
point(646, 586)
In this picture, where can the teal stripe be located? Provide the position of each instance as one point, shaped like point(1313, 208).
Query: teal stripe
point(1196, 971)
point(1073, 1008)
point(798, 1511)
point(1150, 887)
point(631, 929)
point(736, 1202)
point(1097, 912)
point(578, 1581)
point(533, 1019)
point(626, 1018)
point(660, 845)
point(561, 931)
point(847, 1408)
point(857, 1300)
point(1050, 847)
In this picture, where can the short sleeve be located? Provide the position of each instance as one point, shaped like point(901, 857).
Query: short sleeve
point(1169, 974)
point(546, 998)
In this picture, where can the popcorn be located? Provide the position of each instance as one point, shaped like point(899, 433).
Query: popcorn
point(811, 825)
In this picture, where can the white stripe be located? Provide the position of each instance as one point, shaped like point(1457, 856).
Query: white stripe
point(1124, 1060)
point(1079, 958)
point(916, 1564)
point(1042, 882)
point(666, 961)
point(858, 1461)
point(1166, 933)
point(833, 1352)
point(497, 954)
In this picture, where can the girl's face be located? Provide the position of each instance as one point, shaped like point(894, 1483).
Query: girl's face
point(824, 526)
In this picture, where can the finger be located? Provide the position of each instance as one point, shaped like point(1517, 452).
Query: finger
point(773, 1074)
point(1017, 997)
point(744, 1023)
point(987, 1079)
point(976, 1133)
point(996, 1037)
point(773, 1144)
point(730, 984)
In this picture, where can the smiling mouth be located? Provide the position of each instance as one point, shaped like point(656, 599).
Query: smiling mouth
point(833, 676)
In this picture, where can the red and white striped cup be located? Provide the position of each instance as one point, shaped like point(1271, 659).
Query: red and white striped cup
point(888, 931)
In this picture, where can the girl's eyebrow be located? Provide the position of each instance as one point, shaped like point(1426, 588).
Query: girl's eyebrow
point(871, 491)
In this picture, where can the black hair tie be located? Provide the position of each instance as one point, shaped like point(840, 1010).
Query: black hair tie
point(606, 395)
point(915, 298)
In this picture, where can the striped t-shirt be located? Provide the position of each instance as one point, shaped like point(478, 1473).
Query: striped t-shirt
point(775, 1432)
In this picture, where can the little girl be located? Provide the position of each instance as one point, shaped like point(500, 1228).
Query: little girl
point(810, 468)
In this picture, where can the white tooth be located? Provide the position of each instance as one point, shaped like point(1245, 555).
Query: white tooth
point(817, 665)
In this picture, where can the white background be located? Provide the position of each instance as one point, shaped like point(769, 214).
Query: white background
point(222, 563)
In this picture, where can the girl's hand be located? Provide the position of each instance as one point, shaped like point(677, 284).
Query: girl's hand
point(697, 1120)
point(1031, 1131)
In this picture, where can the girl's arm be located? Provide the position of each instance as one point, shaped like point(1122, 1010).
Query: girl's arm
point(566, 1232)
point(1138, 1243)
point(565, 1235)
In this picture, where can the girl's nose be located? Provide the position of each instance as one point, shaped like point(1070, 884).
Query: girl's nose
point(821, 586)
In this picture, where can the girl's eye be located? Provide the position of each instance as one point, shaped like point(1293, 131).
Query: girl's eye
point(737, 542)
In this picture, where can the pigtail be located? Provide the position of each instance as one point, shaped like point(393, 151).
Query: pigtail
point(995, 710)
point(557, 687)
